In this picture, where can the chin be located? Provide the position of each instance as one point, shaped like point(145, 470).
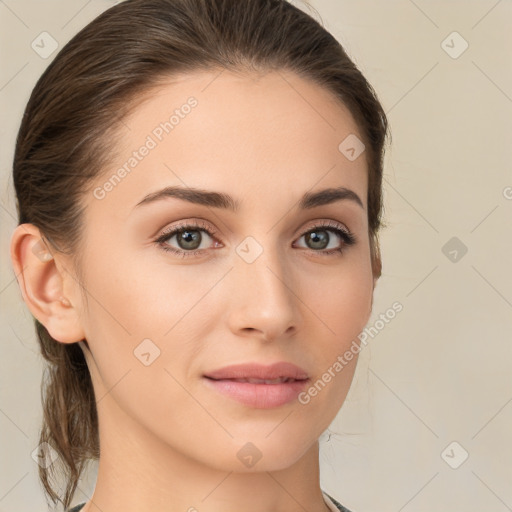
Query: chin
point(261, 453)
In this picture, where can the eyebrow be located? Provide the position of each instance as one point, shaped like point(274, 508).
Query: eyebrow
point(221, 200)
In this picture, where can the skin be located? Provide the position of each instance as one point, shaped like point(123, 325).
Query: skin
point(169, 443)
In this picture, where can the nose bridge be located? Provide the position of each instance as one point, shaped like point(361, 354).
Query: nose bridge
point(264, 299)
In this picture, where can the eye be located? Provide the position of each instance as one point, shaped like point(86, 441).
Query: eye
point(189, 239)
point(318, 237)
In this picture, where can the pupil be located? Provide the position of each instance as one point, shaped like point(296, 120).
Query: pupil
point(320, 239)
point(190, 237)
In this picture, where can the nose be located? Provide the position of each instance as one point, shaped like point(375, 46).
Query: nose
point(263, 301)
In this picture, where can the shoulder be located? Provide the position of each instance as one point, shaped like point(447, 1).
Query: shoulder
point(338, 505)
point(76, 508)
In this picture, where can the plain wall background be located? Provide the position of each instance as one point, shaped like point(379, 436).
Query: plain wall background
point(440, 371)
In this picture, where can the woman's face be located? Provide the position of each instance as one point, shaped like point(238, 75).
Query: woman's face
point(262, 284)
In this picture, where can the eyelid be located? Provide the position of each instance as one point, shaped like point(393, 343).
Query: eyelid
point(195, 222)
point(198, 222)
point(325, 224)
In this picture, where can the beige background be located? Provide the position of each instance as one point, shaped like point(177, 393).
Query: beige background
point(440, 371)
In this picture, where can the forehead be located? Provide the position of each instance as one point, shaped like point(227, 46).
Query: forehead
point(261, 136)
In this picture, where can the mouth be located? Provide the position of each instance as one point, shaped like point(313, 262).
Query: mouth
point(279, 380)
point(257, 386)
point(258, 372)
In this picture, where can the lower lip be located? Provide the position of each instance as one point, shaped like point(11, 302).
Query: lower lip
point(259, 396)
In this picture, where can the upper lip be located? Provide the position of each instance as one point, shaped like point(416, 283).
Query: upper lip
point(259, 371)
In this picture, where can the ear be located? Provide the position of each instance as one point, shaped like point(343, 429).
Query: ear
point(45, 283)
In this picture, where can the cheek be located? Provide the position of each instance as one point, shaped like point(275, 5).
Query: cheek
point(342, 307)
point(137, 297)
point(136, 307)
point(349, 306)
point(341, 301)
point(138, 325)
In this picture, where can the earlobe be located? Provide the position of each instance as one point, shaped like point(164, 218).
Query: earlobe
point(42, 284)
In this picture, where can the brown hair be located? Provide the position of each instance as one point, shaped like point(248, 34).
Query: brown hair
point(68, 136)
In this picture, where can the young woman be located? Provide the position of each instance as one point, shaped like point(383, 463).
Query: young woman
point(199, 198)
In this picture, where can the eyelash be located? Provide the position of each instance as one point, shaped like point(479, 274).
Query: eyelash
point(347, 237)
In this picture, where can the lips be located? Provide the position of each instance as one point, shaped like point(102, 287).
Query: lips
point(265, 381)
point(259, 386)
point(257, 373)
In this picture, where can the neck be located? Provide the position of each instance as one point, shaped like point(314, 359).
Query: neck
point(137, 471)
